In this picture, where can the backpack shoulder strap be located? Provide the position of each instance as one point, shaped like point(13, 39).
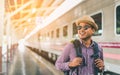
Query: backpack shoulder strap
point(96, 51)
point(77, 47)
point(95, 56)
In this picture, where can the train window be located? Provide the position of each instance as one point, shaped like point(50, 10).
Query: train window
point(74, 29)
point(57, 33)
point(118, 19)
point(65, 29)
point(98, 20)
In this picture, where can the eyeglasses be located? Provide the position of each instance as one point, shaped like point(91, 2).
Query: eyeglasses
point(85, 27)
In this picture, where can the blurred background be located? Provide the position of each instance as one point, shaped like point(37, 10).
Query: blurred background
point(34, 33)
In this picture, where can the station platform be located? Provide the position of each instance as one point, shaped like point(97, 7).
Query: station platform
point(29, 63)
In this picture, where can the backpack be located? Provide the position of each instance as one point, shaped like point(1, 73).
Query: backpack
point(77, 47)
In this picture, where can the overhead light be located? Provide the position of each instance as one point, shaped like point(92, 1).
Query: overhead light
point(29, 20)
point(33, 10)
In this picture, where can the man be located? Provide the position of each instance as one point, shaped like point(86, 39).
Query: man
point(85, 64)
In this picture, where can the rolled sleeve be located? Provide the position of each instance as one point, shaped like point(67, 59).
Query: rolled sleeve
point(62, 62)
point(62, 66)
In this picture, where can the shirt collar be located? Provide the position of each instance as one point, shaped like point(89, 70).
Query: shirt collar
point(92, 44)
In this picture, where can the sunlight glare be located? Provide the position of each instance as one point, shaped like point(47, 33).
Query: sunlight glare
point(21, 46)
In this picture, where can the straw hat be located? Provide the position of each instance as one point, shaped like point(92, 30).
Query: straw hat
point(89, 20)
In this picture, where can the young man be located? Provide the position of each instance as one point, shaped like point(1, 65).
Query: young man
point(86, 64)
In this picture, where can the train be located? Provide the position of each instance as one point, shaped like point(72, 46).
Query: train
point(52, 38)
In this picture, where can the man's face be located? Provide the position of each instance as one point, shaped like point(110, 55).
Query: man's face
point(85, 31)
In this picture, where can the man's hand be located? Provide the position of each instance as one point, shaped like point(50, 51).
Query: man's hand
point(99, 63)
point(75, 62)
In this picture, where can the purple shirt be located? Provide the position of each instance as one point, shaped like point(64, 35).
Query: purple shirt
point(69, 53)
